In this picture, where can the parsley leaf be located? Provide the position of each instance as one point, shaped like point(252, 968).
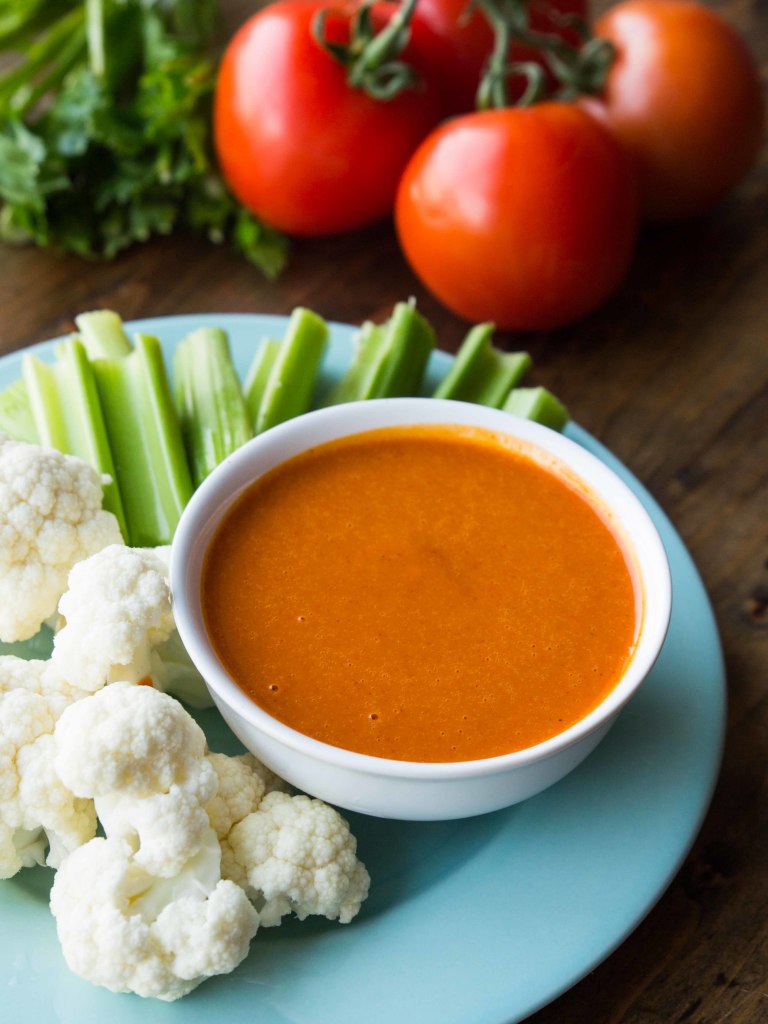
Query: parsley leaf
point(105, 129)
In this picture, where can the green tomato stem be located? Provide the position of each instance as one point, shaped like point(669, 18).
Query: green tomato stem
point(371, 58)
point(578, 69)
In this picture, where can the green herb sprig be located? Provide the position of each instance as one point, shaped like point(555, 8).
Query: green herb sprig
point(105, 128)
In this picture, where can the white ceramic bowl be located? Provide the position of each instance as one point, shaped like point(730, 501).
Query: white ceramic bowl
point(403, 789)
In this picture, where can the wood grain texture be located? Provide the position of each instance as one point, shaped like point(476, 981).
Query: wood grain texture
point(671, 374)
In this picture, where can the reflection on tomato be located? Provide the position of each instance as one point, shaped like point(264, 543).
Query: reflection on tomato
point(685, 98)
point(526, 217)
point(297, 144)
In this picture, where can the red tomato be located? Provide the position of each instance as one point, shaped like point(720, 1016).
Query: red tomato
point(461, 40)
point(525, 216)
point(298, 145)
point(685, 98)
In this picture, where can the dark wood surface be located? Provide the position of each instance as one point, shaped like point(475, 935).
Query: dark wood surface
point(672, 374)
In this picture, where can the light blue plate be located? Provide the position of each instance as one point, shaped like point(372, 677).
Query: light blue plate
point(481, 921)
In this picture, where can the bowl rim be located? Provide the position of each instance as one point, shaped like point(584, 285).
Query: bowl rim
point(216, 494)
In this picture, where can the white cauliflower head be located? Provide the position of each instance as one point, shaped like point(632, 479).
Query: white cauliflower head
point(296, 854)
point(37, 677)
point(50, 518)
point(36, 809)
point(118, 625)
point(121, 928)
point(117, 607)
point(242, 783)
point(140, 755)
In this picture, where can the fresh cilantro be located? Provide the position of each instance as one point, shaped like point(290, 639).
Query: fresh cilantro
point(105, 128)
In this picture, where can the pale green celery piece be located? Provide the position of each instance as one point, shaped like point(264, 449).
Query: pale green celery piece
point(291, 382)
point(481, 373)
point(389, 359)
point(103, 334)
point(258, 375)
point(67, 413)
point(147, 445)
point(212, 412)
point(369, 342)
point(16, 419)
point(539, 405)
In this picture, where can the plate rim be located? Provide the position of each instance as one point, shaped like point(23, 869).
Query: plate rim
point(344, 332)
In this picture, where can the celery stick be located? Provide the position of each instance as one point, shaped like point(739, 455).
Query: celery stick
point(389, 360)
point(16, 419)
point(67, 413)
point(352, 387)
point(212, 412)
point(103, 334)
point(147, 446)
point(258, 375)
point(481, 373)
point(291, 382)
point(407, 344)
point(539, 405)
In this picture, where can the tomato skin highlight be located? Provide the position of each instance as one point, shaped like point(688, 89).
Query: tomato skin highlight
point(298, 145)
point(685, 98)
point(527, 217)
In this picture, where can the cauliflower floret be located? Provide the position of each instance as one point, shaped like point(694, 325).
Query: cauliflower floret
point(238, 793)
point(242, 783)
point(166, 828)
point(296, 854)
point(37, 677)
point(36, 808)
point(124, 929)
point(116, 608)
point(140, 755)
point(128, 738)
point(118, 625)
point(50, 518)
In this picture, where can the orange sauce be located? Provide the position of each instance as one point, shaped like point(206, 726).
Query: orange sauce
point(423, 594)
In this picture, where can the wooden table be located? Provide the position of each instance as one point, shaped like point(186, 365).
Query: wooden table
point(672, 375)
